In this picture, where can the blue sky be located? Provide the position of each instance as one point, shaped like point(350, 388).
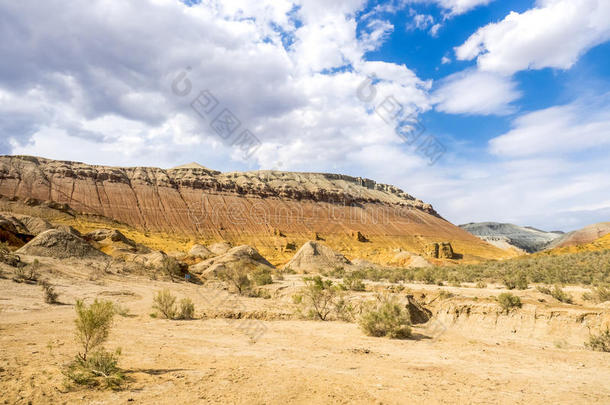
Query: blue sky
point(518, 93)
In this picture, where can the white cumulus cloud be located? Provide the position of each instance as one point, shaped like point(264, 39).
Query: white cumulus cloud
point(553, 34)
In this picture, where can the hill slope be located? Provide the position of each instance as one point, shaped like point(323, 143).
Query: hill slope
point(582, 236)
point(274, 211)
point(504, 236)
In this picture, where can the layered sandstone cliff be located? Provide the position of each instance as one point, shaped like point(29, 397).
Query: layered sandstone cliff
point(203, 203)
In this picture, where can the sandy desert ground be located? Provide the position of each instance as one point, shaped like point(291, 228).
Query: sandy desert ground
point(216, 360)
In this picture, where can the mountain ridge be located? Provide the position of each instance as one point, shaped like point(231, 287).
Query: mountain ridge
point(270, 210)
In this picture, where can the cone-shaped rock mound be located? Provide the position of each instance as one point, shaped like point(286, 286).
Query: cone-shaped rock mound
point(60, 244)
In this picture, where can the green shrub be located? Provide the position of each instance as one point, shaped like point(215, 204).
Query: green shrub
point(602, 293)
point(353, 281)
point(344, 310)
point(509, 301)
point(561, 295)
point(599, 343)
point(262, 276)
point(100, 367)
point(165, 303)
point(518, 281)
point(318, 298)
point(187, 309)
point(236, 275)
point(93, 324)
point(385, 317)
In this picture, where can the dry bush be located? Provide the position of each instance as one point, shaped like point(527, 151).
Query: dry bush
point(187, 309)
point(481, 284)
point(101, 367)
point(27, 274)
point(509, 301)
point(165, 303)
point(561, 295)
point(599, 343)
point(385, 317)
point(518, 281)
point(50, 295)
point(171, 268)
point(556, 293)
point(353, 281)
point(262, 276)
point(9, 258)
point(600, 293)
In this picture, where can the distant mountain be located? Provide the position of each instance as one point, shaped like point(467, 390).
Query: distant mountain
point(512, 237)
point(582, 236)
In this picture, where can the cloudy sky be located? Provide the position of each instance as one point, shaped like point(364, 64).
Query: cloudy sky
point(516, 94)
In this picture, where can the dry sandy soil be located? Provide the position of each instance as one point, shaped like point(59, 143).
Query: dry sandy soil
point(212, 360)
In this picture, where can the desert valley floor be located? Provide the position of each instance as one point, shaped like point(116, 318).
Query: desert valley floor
point(211, 360)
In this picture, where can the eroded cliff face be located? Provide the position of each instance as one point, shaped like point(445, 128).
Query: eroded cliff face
point(209, 204)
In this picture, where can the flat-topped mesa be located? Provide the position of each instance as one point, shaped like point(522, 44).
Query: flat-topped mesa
point(317, 187)
point(269, 210)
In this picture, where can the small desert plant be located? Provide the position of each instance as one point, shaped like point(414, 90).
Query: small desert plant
point(561, 295)
point(344, 310)
point(236, 275)
point(93, 324)
point(317, 298)
point(171, 268)
point(599, 294)
point(518, 281)
point(9, 258)
point(480, 284)
point(100, 365)
point(385, 317)
point(599, 343)
point(259, 293)
point(353, 281)
point(28, 274)
point(509, 301)
point(444, 294)
point(187, 309)
point(165, 303)
point(50, 295)
point(262, 276)
point(122, 311)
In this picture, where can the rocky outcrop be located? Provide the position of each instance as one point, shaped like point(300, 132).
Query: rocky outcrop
point(60, 245)
point(245, 256)
point(316, 257)
point(200, 252)
point(238, 207)
point(220, 248)
point(442, 250)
